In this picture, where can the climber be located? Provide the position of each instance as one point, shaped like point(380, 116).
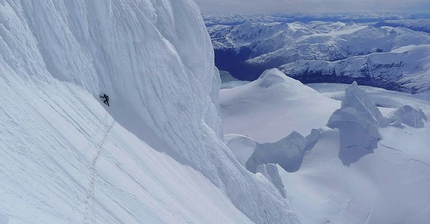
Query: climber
point(106, 97)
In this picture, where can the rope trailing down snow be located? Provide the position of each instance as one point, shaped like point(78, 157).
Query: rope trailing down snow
point(94, 162)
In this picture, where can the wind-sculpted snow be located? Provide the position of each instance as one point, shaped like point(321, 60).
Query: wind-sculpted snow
point(358, 121)
point(157, 152)
point(326, 52)
point(273, 90)
point(228, 81)
point(241, 146)
point(409, 116)
point(389, 185)
point(288, 153)
point(282, 99)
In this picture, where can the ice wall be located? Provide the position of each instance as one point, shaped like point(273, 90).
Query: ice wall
point(358, 120)
point(155, 60)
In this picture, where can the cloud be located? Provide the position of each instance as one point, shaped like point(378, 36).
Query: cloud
point(291, 6)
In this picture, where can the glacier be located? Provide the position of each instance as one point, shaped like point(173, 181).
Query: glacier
point(156, 155)
point(333, 185)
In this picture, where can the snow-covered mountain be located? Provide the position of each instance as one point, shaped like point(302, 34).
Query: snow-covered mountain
point(171, 148)
point(357, 16)
point(413, 24)
point(393, 58)
point(155, 155)
point(339, 159)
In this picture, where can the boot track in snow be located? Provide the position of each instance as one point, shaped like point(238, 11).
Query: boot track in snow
point(100, 149)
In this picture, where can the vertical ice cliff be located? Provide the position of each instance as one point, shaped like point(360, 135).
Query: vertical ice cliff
point(155, 60)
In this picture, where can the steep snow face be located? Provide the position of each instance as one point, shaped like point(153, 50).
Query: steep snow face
point(110, 47)
point(271, 172)
point(153, 155)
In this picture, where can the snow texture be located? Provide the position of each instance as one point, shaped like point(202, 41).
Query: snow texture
point(288, 152)
point(358, 120)
point(282, 99)
point(241, 146)
point(409, 116)
point(270, 171)
point(154, 156)
point(387, 186)
point(228, 81)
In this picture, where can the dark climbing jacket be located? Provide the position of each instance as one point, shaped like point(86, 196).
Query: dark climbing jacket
point(106, 97)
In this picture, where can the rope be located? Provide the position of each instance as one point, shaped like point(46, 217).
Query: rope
point(99, 152)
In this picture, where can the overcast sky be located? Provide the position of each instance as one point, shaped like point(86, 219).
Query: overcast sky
point(292, 6)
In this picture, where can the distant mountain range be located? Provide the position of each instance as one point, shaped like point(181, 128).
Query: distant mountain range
point(413, 24)
point(357, 17)
point(393, 54)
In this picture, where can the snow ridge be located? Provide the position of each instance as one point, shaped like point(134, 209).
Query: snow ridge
point(155, 61)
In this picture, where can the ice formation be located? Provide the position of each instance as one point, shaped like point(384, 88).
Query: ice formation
point(358, 121)
point(287, 152)
point(409, 116)
point(241, 146)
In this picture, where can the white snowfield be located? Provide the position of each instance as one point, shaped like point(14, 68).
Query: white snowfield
point(336, 182)
point(155, 155)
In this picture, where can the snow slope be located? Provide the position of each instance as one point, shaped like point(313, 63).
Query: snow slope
point(388, 185)
point(154, 156)
point(51, 139)
point(263, 108)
